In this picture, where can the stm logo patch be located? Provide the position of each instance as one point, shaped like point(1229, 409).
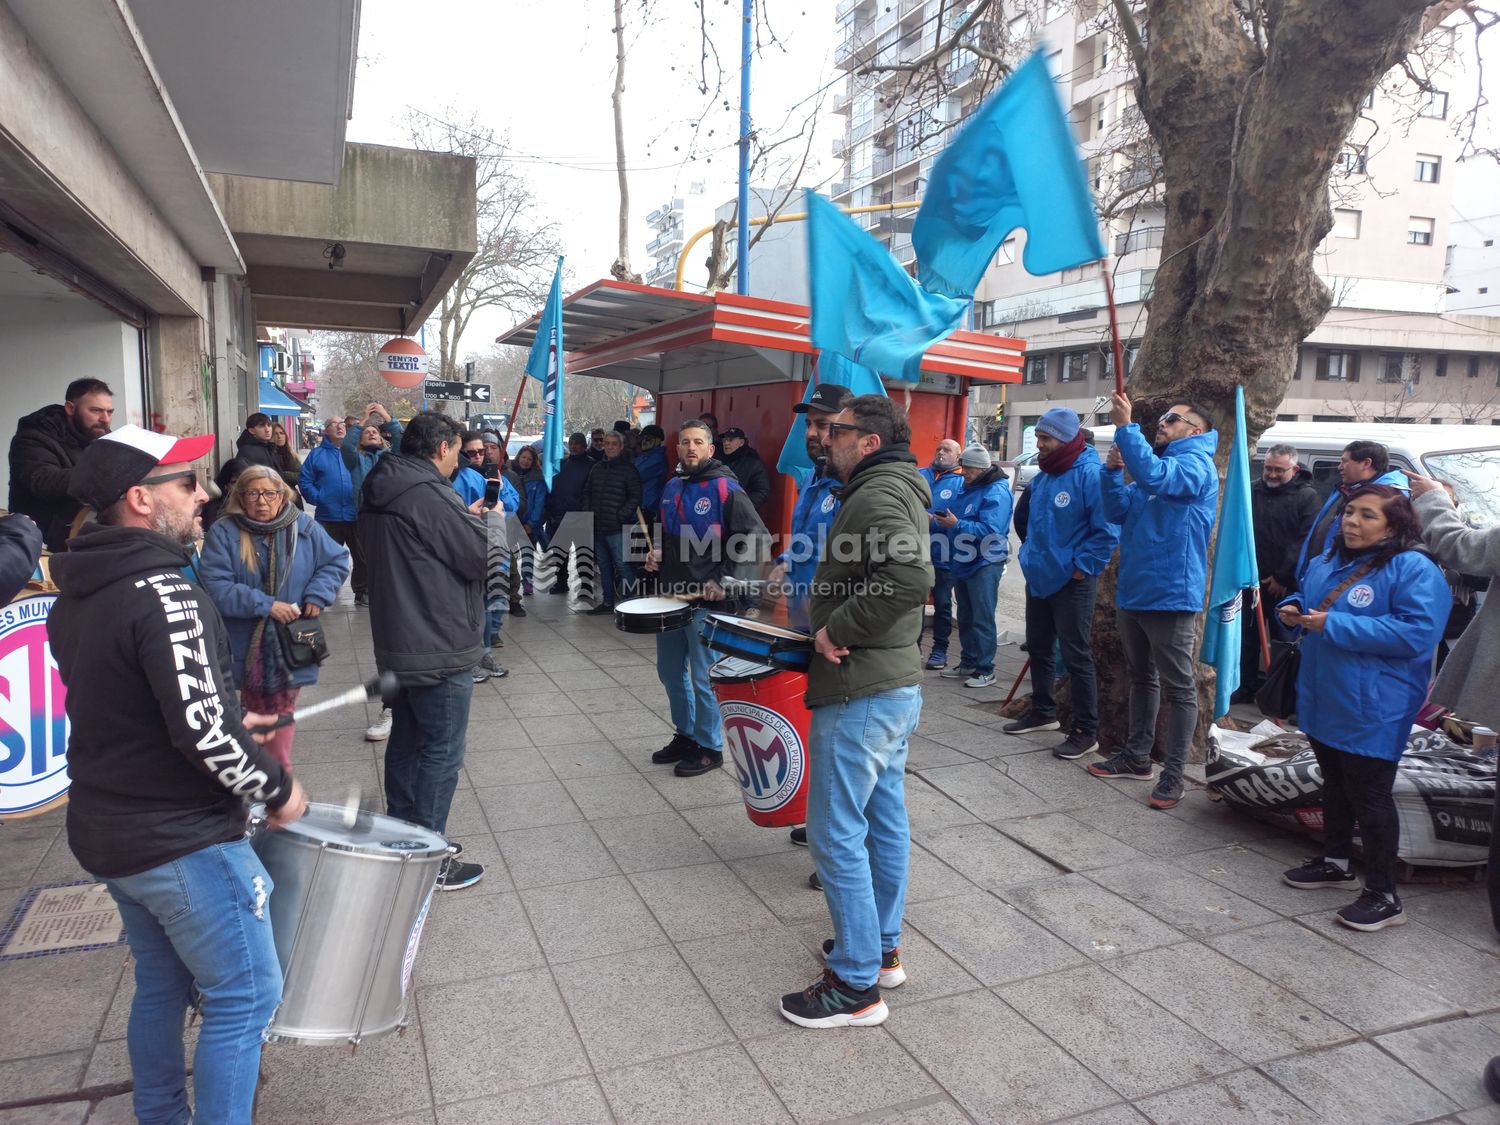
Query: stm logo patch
point(1062, 500)
point(829, 504)
point(702, 505)
point(1361, 596)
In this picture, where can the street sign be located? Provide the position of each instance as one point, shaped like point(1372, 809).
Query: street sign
point(458, 392)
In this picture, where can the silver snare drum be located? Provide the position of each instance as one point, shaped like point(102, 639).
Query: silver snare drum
point(352, 890)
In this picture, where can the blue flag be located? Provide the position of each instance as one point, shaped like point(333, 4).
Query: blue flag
point(546, 363)
point(1015, 165)
point(1235, 573)
point(832, 368)
point(865, 307)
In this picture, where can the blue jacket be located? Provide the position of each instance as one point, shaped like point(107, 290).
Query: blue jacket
point(469, 484)
point(535, 487)
point(1364, 677)
point(982, 533)
point(652, 466)
point(945, 489)
point(1166, 516)
point(319, 567)
point(1325, 527)
point(1068, 529)
point(361, 461)
point(817, 504)
point(326, 483)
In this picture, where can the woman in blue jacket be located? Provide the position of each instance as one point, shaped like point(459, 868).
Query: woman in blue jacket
point(977, 528)
point(1372, 611)
point(266, 563)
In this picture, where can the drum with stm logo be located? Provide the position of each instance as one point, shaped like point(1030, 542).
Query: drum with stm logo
point(766, 727)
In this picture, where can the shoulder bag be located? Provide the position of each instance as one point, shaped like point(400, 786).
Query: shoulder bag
point(1277, 696)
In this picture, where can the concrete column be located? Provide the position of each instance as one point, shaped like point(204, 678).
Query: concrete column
point(183, 399)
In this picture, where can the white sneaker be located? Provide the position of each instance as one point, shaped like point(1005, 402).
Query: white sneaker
point(380, 729)
point(961, 672)
point(980, 679)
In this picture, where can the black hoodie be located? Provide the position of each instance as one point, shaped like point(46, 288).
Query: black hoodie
point(161, 765)
point(748, 468)
point(425, 560)
point(42, 456)
point(1282, 517)
point(690, 562)
point(256, 450)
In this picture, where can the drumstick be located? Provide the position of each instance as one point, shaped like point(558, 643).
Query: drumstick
point(384, 684)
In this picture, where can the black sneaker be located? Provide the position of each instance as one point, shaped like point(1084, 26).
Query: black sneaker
point(1492, 1078)
point(1120, 766)
point(829, 1002)
point(1372, 911)
point(892, 975)
point(362, 601)
point(1076, 745)
point(814, 882)
point(1166, 796)
point(1029, 723)
point(1317, 874)
point(517, 610)
point(698, 761)
point(455, 875)
point(676, 750)
point(799, 835)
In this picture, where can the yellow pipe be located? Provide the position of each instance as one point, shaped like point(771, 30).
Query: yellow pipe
point(800, 215)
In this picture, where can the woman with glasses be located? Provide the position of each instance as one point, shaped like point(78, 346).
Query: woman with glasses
point(266, 564)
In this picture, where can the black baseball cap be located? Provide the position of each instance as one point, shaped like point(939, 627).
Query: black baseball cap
point(828, 398)
point(733, 432)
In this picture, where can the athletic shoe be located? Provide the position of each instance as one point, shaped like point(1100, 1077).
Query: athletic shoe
point(380, 729)
point(496, 642)
point(980, 679)
point(455, 876)
point(1372, 911)
point(699, 761)
point(1166, 796)
point(814, 882)
point(489, 668)
point(1492, 1078)
point(601, 610)
point(362, 601)
point(937, 661)
point(1029, 723)
point(676, 750)
point(829, 1002)
point(962, 672)
point(1120, 766)
point(892, 975)
point(1317, 874)
point(517, 609)
point(1076, 745)
point(799, 835)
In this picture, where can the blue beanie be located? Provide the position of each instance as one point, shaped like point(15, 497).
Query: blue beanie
point(1060, 422)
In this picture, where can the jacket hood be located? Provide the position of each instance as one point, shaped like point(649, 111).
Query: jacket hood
point(1300, 480)
point(247, 438)
point(396, 474)
point(894, 463)
point(709, 470)
point(989, 476)
point(1204, 444)
point(52, 421)
point(99, 555)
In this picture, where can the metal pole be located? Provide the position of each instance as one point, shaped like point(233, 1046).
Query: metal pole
point(742, 234)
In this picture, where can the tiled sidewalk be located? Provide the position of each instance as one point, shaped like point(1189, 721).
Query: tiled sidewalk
point(1073, 955)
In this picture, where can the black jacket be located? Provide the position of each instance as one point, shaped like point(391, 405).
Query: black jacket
point(1282, 517)
point(425, 565)
point(161, 764)
point(257, 452)
point(750, 471)
point(42, 456)
point(613, 493)
point(567, 488)
point(20, 547)
point(689, 563)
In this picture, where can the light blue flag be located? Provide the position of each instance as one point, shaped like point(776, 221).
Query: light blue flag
point(1235, 573)
point(1014, 165)
point(832, 368)
point(865, 307)
point(546, 363)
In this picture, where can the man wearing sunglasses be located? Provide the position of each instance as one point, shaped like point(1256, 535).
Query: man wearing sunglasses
point(1166, 515)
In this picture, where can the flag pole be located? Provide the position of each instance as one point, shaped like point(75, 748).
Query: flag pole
point(511, 424)
point(1260, 621)
point(1114, 329)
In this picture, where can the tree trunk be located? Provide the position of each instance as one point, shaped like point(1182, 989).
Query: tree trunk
point(621, 268)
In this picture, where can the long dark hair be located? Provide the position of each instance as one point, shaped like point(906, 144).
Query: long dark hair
point(1403, 528)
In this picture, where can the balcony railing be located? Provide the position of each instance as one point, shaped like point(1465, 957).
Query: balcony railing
point(883, 163)
point(1146, 238)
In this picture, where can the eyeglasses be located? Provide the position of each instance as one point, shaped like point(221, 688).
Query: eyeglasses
point(1172, 416)
point(474, 452)
point(261, 494)
point(836, 427)
point(189, 475)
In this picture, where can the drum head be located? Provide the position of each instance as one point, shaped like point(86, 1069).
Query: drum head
point(642, 606)
point(738, 670)
point(755, 627)
point(361, 830)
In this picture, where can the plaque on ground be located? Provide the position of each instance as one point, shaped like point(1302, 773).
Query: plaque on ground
point(61, 919)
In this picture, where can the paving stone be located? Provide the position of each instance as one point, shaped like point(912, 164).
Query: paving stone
point(578, 1101)
point(465, 937)
point(1062, 784)
point(596, 760)
point(746, 974)
point(865, 1066)
point(1234, 1007)
point(927, 809)
point(481, 848)
point(590, 919)
point(935, 1109)
point(486, 769)
point(602, 798)
point(535, 804)
point(1192, 905)
point(986, 857)
point(562, 853)
point(27, 1078)
point(67, 996)
point(683, 793)
point(553, 729)
point(1242, 1098)
point(1350, 988)
point(65, 1113)
point(1069, 844)
point(928, 877)
point(1450, 1055)
point(334, 782)
point(1121, 1114)
point(654, 842)
point(991, 939)
point(976, 741)
point(1357, 1084)
point(1256, 876)
point(465, 816)
point(1090, 918)
point(675, 1090)
point(729, 832)
point(930, 972)
point(995, 1064)
point(985, 791)
point(702, 901)
point(924, 754)
point(637, 1006)
point(385, 1077)
point(1461, 914)
point(781, 882)
point(488, 731)
point(1489, 1115)
point(24, 848)
point(630, 675)
point(1151, 831)
point(496, 1034)
point(531, 697)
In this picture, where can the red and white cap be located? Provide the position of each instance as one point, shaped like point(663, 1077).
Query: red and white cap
point(123, 458)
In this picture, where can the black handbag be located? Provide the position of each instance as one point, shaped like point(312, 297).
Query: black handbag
point(303, 643)
point(1277, 695)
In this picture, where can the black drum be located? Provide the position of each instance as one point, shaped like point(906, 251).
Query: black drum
point(758, 641)
point(652, 615)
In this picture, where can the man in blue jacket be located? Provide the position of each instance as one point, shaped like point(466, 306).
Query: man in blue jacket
point(817, 504)
point(651, 464)
point(1361, 463)
point(1069, 542)
point(1166, 516)
point(977, 527)
point(327, 484)
point(946, 482)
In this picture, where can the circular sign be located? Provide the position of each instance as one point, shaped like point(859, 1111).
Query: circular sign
point(33, 722)
point(402, 363)
point(1361, 596)
point(767, 752)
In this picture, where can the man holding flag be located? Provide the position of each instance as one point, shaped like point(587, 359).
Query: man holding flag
point(1235, 573)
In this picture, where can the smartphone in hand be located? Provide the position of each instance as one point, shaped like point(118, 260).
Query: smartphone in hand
point(491, 493)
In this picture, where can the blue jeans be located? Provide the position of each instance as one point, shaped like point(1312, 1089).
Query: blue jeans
point(616, 579)
point(682, 662)
point(942, 610)
point(856, 823)
point(494, 620)
point(204, 917)
point(1065, 619)
point(977, 595)
point(426, 749)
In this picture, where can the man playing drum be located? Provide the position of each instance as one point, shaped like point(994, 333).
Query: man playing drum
point(864, 691)
point(710, 535)
point(161, 769)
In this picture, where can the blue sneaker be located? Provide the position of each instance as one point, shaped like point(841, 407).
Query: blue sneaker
point(937, 661)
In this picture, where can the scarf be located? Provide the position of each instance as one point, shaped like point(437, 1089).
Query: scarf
point(1061, 459)
point(266, 671)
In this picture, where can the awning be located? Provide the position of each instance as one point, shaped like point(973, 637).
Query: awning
point(273, 400)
